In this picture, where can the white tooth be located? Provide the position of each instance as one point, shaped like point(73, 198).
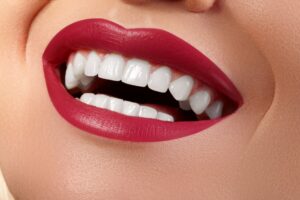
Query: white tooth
point(130, 108)
point(115, 104)
point(200, 100)
point(87, 98)
point(78, 65)
point(85, 82)
point(165, 117)
point(112, 67)
point(100, 101)
point(147, 112)
point(185, 105)
point(181, 88)
point(70, 80)
point(136, 72)
point(92, 65)
point(160, 79)
point(215, 110)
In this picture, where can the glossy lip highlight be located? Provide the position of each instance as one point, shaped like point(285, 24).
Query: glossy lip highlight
point(154, 45)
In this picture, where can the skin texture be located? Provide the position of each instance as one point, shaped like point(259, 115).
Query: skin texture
point(254, 154)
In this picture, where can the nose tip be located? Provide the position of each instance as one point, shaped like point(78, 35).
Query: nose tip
point(199, 5)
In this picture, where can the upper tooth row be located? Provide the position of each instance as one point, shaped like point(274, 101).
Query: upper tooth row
point(137, 72)
point(134, 71)
point(124, 107)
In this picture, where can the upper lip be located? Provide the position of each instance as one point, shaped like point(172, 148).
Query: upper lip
point(155, 45)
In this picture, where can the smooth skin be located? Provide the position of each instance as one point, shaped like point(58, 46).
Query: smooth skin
point(253, 154)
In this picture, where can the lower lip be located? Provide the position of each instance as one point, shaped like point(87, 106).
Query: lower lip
point(105, 123)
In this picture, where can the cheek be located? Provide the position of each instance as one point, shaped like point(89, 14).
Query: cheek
point(272, 155)
point(273, 30)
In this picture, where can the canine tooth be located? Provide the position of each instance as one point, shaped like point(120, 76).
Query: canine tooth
point(182, 87)
point(160, 79)
point(136, 73)
point(100, 101)
point(112, 67)
point(78, 65)
point(115, 104)
point(70, 80)
point(92, 65)
point(147, 112)
point(185, 105)
point(215, 110)
point(87, 98)
point(200, 100)
point(130, 108)
point(165, 117)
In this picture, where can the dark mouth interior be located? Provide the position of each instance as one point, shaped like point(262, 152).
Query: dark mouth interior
point(144, 96)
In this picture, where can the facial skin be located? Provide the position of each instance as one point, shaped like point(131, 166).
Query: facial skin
point(253, 154)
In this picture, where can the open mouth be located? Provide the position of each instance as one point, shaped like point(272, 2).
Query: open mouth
point(134, 84)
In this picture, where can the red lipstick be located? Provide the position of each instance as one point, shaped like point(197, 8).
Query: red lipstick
point(154, 45)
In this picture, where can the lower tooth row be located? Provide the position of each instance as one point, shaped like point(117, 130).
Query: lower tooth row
point(124, 107)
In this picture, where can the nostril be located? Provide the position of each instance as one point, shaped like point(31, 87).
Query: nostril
point(199, 5)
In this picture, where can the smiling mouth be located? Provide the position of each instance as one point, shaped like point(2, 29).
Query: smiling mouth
point(134, 84)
